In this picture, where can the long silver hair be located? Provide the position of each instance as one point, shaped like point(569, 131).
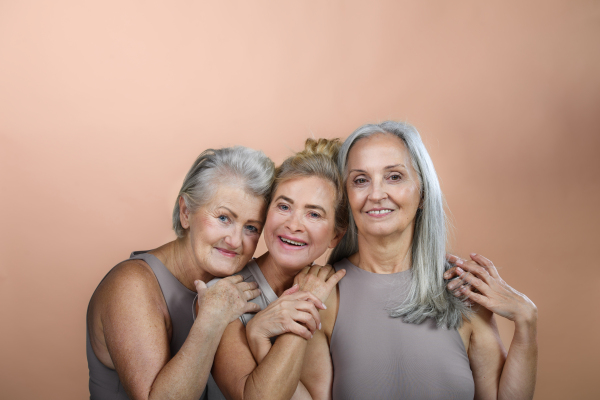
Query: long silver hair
point(427, 296)
point(249, 169)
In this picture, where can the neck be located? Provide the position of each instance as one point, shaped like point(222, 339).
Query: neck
point(277, 277)
point(179, 259)
point(384, 254)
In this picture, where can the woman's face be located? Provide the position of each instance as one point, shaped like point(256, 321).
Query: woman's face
point(224, 232)
point(300, 224)
point(383, 187)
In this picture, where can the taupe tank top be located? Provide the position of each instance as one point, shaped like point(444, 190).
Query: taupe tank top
point(376, 356)
point(104, 382)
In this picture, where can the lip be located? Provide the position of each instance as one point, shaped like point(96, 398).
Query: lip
point(379, 215)
point(288, 245)
point(226, 253)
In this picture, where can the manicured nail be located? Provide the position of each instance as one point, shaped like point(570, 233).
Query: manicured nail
point(319, 326)
point(459, 262)
point(459, 270)
point(195, 282)
point(446, 275)
point(324, 306)
point(473, 254)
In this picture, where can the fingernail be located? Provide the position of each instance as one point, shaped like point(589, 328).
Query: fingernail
point(195, 282)
point(324, 306)
point(319, 326)
point(459, 262)
point(459, 270)
point(446, 275)
point(295, 285)
point(473, 254)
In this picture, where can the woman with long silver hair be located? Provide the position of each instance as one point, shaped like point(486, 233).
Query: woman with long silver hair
point(397, 325)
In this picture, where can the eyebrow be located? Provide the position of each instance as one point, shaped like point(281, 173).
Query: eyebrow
point(232, 213)
point(311, 206)
point(387, 167)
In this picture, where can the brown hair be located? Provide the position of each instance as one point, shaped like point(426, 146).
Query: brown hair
point(317, 159)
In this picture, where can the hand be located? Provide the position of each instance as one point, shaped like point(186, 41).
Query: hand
point(480, 282)
point(293, 311)
point(228, 298)
point(318, 280)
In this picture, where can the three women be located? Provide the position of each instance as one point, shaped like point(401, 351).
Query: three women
point(394, 329)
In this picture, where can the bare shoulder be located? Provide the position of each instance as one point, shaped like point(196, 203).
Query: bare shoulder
point(129, 291)
point(329, 315)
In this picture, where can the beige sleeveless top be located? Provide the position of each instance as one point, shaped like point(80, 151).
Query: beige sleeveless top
point(376, 356)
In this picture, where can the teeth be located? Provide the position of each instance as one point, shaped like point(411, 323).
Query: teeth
point(292, 242)
point(379, 212)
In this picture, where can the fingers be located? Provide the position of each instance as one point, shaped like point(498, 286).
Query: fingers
point(234, 278)
point(474, 268)
point(311, 315)
point(486, 263)
point(251, 294)
point(243, 286)
point(250, 307)
point(299, 330)
point(335, 278)
point(291, 290)
point(473, 281)
point(199, 285)
point(475, 297)
point(324, 272)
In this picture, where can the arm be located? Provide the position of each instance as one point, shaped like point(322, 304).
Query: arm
point(247, 367)
point(497, 374)
point(135, 327)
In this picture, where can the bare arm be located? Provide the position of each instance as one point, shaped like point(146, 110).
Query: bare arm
point(247, 367)
point(135, 330)
point(498, 375)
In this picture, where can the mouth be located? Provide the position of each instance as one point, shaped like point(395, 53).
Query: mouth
point(380, 212)
point(291, 242)
point(226, 253)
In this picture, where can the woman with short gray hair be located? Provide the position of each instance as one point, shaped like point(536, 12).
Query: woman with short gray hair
point(142, 341)
point(402, 330)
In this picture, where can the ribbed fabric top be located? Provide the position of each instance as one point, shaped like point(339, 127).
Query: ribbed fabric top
point(104, 382)
point(376, 356)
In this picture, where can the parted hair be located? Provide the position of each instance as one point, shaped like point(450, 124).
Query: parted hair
point(238, 165)
point(319, 158)
point(428, 296)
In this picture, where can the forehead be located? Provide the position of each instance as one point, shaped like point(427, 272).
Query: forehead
point(311, 190)
point(238, 200)
point(378, 151)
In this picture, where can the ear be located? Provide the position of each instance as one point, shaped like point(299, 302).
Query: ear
point(336, 239)
point(184, 214)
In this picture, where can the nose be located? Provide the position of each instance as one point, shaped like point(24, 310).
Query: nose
point(234, 239)
point(294, 222)
point(377, 192)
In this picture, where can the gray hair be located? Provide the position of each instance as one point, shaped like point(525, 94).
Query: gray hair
point(238, 165)
point(427, 296)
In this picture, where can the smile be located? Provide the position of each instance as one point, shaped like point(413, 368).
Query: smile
point(225, 252)
point(379, 212)
point(292, 242)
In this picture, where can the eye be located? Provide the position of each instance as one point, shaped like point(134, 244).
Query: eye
point(359, 181)
point(252, 229)
point(395, 177)
point(314, 214)
point(283, 207)
point(223, 218)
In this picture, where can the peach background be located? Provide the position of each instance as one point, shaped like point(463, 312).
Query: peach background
point(104, 106)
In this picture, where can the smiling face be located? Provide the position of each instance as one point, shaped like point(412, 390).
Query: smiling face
point(300, 224)
point(224, 232)
point(383, 186)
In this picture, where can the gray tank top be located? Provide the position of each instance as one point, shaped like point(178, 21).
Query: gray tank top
point(104, 382)
point(376, 356)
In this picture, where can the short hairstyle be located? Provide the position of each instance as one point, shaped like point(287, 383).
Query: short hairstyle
point(319, 158)
point(238, 165)
point(428, 296)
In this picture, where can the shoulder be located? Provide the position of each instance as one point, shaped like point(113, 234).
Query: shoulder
point(131, 284)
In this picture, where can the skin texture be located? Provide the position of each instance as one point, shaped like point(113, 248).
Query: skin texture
point(381, 177)
point(128, 321)
point(246, 365)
